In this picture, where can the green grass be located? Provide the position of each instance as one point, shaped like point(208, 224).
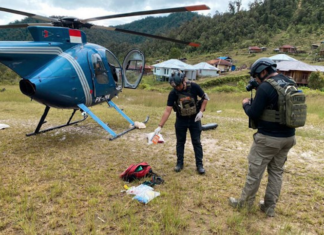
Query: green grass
point(67, 181)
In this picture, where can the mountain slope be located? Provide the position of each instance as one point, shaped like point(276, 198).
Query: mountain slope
point(269, 23)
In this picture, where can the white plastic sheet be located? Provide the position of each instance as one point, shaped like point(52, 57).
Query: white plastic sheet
point(4, 126)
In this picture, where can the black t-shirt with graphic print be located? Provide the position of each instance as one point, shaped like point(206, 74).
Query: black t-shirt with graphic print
point(195, 91)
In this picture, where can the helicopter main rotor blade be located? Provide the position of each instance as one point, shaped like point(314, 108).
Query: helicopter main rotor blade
point(10, 26)
point(38, 17)
point(145, 35)
point(151, 12)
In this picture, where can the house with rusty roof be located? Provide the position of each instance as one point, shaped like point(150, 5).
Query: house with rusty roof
point(255, 49)
point(148, 69)
point(288, 49)
point(222, 65)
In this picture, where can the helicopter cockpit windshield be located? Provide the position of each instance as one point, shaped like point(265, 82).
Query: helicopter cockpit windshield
point(99, 69)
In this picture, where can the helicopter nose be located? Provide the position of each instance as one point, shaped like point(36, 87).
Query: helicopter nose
point(27, 88)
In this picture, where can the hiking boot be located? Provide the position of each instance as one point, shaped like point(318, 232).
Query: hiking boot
point(178, 168)
point(201, 170)
point(269, 211)
point(239, 204)
point(233, 202)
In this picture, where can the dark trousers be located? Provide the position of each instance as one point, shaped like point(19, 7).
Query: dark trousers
point(181, 127)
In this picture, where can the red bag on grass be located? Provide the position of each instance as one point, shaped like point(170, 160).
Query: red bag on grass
point(136, 171)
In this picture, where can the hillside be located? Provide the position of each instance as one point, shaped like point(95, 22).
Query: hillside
point(267, 23)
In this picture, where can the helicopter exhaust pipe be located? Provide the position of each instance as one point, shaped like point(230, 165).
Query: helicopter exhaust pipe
point(27, 88)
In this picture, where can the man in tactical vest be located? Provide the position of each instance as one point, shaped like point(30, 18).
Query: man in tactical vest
point(272, 141)
point(189, 111)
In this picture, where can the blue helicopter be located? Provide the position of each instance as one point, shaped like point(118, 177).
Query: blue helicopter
point(60, 69)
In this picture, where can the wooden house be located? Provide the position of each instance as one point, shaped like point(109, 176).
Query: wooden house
point(321, 53)
point(227, 58)
point(148, 69)
point(222, 65)
point(298, 70)
point(288, 49)
point(255, 49)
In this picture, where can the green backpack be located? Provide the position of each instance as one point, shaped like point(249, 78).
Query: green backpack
point(292, 107)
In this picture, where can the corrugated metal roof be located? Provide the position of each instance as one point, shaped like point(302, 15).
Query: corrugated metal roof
point(219, 61)
point(174, 64)
point(282, 57)
point(204, 65)
point(298, 66)
point(254, 48)
point(319, 68)
point(225, 58)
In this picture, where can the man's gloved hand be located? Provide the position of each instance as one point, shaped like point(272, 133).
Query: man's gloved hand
point(157, 131)
point(198, 116)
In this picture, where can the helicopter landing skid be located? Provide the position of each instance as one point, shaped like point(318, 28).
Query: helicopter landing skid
point(103, 125)
point(42, 121)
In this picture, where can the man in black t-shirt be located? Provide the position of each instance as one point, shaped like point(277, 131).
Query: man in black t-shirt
point(272, 141)
point(183, 99)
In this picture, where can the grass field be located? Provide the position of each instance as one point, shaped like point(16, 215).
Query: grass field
point(67, 181)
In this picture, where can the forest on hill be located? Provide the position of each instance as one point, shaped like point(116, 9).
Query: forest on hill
point(266, 23)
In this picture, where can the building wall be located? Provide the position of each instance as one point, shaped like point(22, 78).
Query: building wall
point(291, 50)
point(163, 73)
point(207, 73)
point(223, 68)
point(300, 77)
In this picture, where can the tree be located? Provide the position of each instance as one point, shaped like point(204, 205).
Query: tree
point(316, 81)
point(175, 53)
point(234, 6)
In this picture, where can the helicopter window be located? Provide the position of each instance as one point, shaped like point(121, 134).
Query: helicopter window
point(115, 68)
point(99, 69)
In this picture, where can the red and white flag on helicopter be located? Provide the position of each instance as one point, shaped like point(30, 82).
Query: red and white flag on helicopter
point(75, 36)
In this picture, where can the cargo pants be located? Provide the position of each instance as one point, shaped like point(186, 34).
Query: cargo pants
point(271, 153)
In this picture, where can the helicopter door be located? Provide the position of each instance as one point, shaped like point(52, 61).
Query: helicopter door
point(100, 76)
point(133, 68)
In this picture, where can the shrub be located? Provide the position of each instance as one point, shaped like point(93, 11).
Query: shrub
point(224, 88)
point(144, 86)
point(241, 85)
point(224, 80)
point(316, 81)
